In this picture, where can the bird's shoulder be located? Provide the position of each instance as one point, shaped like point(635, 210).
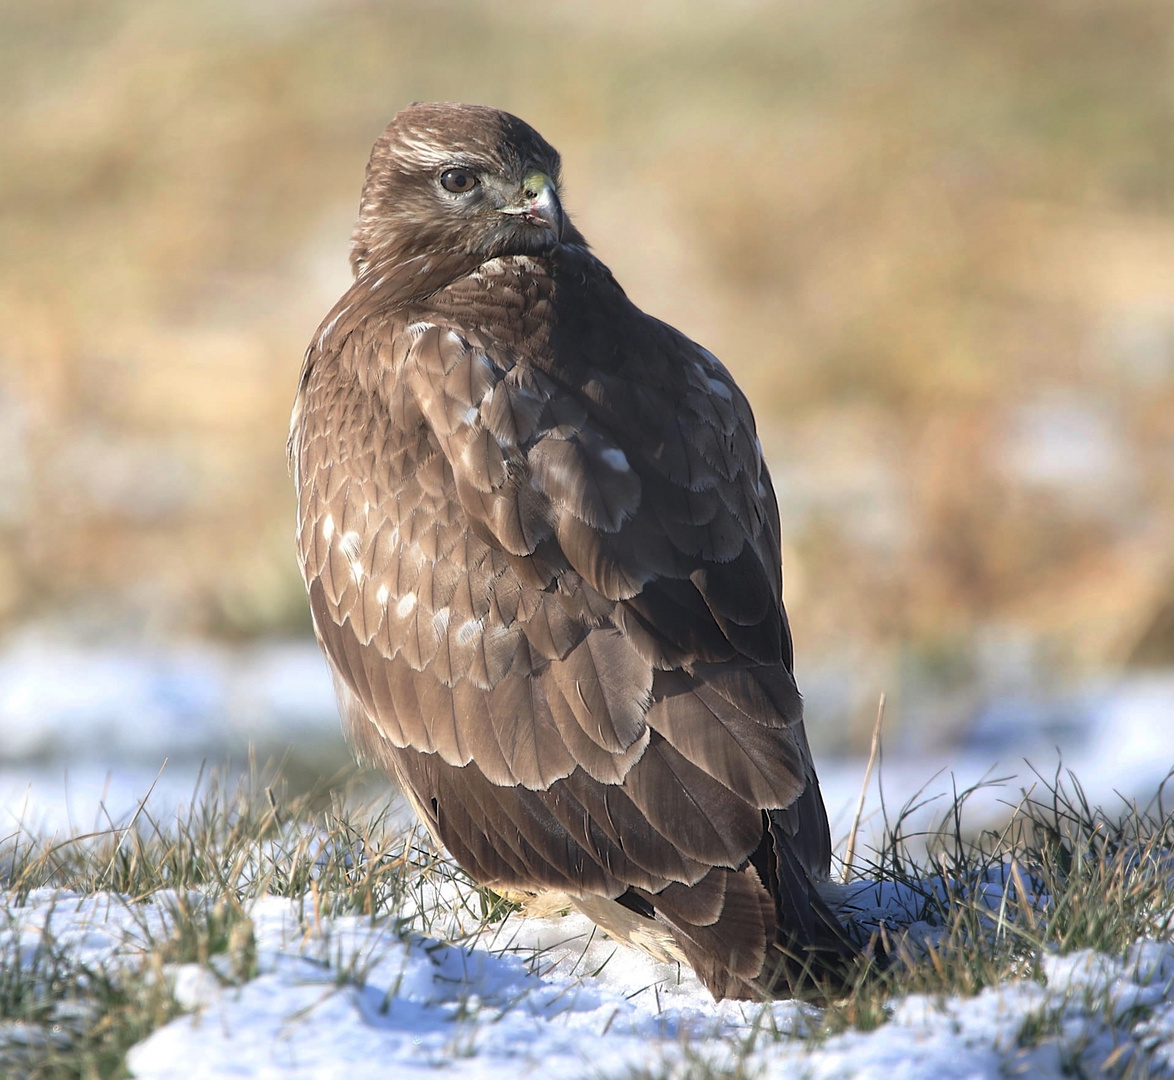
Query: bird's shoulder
point(570, 429)
point(565, 318)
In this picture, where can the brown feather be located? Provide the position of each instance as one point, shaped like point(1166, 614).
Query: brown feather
point(542, 555)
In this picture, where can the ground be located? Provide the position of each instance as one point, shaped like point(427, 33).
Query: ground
point(158, 925)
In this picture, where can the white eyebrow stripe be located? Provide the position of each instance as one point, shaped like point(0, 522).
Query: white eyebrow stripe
point(426, 153)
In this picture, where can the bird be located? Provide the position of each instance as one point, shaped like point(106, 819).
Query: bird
point(542, 554)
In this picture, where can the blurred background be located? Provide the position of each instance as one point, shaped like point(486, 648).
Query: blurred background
point(933, 241)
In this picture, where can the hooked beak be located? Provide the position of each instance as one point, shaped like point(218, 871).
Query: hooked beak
point(539, 204)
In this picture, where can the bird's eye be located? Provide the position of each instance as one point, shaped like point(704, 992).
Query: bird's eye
point(458, 181)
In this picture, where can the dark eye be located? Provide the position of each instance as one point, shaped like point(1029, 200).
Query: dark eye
point(458, 181)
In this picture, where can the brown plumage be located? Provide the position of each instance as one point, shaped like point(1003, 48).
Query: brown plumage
point(542, 553)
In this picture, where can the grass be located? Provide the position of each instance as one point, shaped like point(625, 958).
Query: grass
point(919, 233)
point(182, 890)
point(1059, 877)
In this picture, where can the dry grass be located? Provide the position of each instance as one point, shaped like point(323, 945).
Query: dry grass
point(918, 233)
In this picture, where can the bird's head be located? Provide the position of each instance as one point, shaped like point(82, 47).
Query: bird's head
point(458, 180)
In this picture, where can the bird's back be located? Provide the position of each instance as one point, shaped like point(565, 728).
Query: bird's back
point(542, 553)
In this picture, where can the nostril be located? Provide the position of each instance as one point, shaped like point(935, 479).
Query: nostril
point(530, 193)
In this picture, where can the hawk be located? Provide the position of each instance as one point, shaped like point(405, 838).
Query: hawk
point(542, 554)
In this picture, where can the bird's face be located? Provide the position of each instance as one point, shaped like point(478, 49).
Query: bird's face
point(458, 180)
point(494, 211)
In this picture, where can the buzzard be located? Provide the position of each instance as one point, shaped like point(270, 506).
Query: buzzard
point(542, 554)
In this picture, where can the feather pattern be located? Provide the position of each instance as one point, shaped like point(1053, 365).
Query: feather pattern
point(542, 554)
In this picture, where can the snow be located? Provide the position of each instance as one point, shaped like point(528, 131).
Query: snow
point(85, 732)
point(350, 997)
point(131, 704)
point(1116, 739)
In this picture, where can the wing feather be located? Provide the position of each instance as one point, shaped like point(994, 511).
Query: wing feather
point(542, 554)
point(715, 731)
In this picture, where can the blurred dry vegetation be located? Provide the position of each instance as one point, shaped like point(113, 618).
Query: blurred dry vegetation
point(933, 240)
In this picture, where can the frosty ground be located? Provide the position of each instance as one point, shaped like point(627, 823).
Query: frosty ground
point(214, 933)
point(343, 997)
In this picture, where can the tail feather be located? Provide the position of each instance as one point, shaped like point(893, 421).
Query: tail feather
point(730, 951)
point(763, 942)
